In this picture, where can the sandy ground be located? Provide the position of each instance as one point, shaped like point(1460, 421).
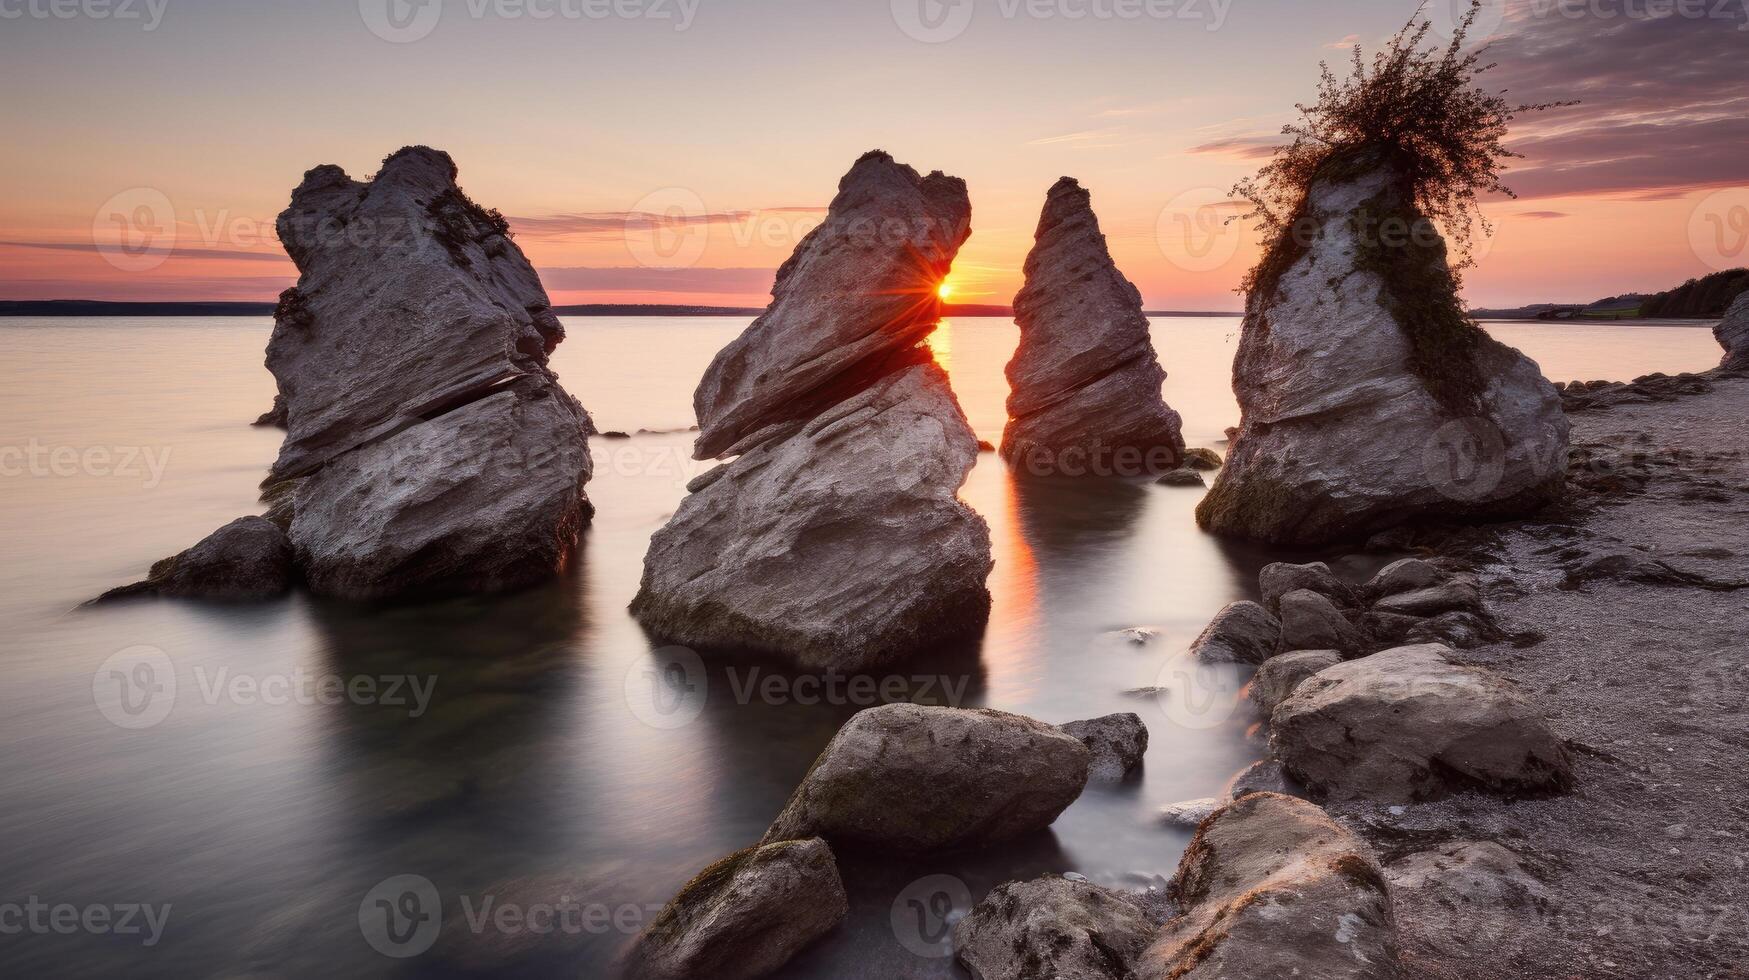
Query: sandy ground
point(1644, 669)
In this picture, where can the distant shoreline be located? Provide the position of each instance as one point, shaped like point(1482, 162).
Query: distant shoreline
point(102, 308)
point(90, 307)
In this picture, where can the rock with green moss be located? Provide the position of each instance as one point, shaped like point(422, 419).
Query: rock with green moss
point(246, 559)
point(1368, 398)
point(745, 916)
point(1272, 887)
point(910, 779)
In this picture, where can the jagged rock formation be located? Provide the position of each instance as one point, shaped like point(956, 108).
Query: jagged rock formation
point(1056, 927)
point(1084, 382)
point(428, 446)
point(743, 917)
point(1368, 399)
point(1272, 887)
point(836, 537)
point(248, 558)
point(1733, 335)
point(910, 779)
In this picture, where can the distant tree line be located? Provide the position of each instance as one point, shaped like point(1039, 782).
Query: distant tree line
point(1706, 297)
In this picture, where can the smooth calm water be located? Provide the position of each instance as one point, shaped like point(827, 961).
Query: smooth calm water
point(559, 760)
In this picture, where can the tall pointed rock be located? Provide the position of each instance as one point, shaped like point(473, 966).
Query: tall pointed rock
point(1085, 381)
point(1368, 398)
point(836, 536)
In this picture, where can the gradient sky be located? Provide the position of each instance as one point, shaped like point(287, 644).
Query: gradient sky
point(581, 128)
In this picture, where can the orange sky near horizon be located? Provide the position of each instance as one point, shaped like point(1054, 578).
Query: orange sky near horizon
point(187, 140)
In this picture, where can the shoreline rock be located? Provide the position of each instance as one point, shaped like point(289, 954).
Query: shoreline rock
point(248, 559)
point(1360, 415)
point(1056, 927)
point(745, 916)
point(1117, 741)
point(1732, 333)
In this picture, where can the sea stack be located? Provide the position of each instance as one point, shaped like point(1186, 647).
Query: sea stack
point(1733, 335)
point(429, 449)
point(1085, 381)
point(1368, 398)
point(835, 537)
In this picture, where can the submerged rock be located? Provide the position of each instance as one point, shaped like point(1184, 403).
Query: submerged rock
point(1272, 887)
point(1085, 381)
point(428, 446)
point(909, 779)
point(246, 559)
point(1242, 632)
point(837, 537)
point(1054, 927)
point(1117, 742)
point(745, 916)
point(1408, 724)
point(1184, 476)
point(1368, 399)
point(1187, 814)
point(1732, 332)
point(1202, 459)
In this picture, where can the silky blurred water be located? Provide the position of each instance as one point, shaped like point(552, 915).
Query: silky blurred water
point(554, 758)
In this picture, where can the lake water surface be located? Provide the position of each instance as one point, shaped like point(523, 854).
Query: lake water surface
point(536, 750)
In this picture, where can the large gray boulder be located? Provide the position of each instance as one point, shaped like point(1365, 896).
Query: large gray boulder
point(745, 916)
point(1084, 382)
point(1272, 887)
point(428, 448)
point(910, 779)
point(1368, 399)
point(843, 546)
point(1055, 928)
point(1732, 332)
point(246, 559)
point(1408, 724)
point(837, 537)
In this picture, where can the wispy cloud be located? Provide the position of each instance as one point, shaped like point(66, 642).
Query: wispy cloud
point(1346, 42)
point(640, 279)
point(1254, 147)
point(181, 252)
point(1545, 215)
point(615, 224)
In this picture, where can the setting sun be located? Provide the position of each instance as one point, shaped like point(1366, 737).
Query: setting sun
point(945, 290)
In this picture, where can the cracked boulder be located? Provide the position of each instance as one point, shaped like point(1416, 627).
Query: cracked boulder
point(835, 537)
point(1085, 380)
point(1368, 398)
point(429, 449)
